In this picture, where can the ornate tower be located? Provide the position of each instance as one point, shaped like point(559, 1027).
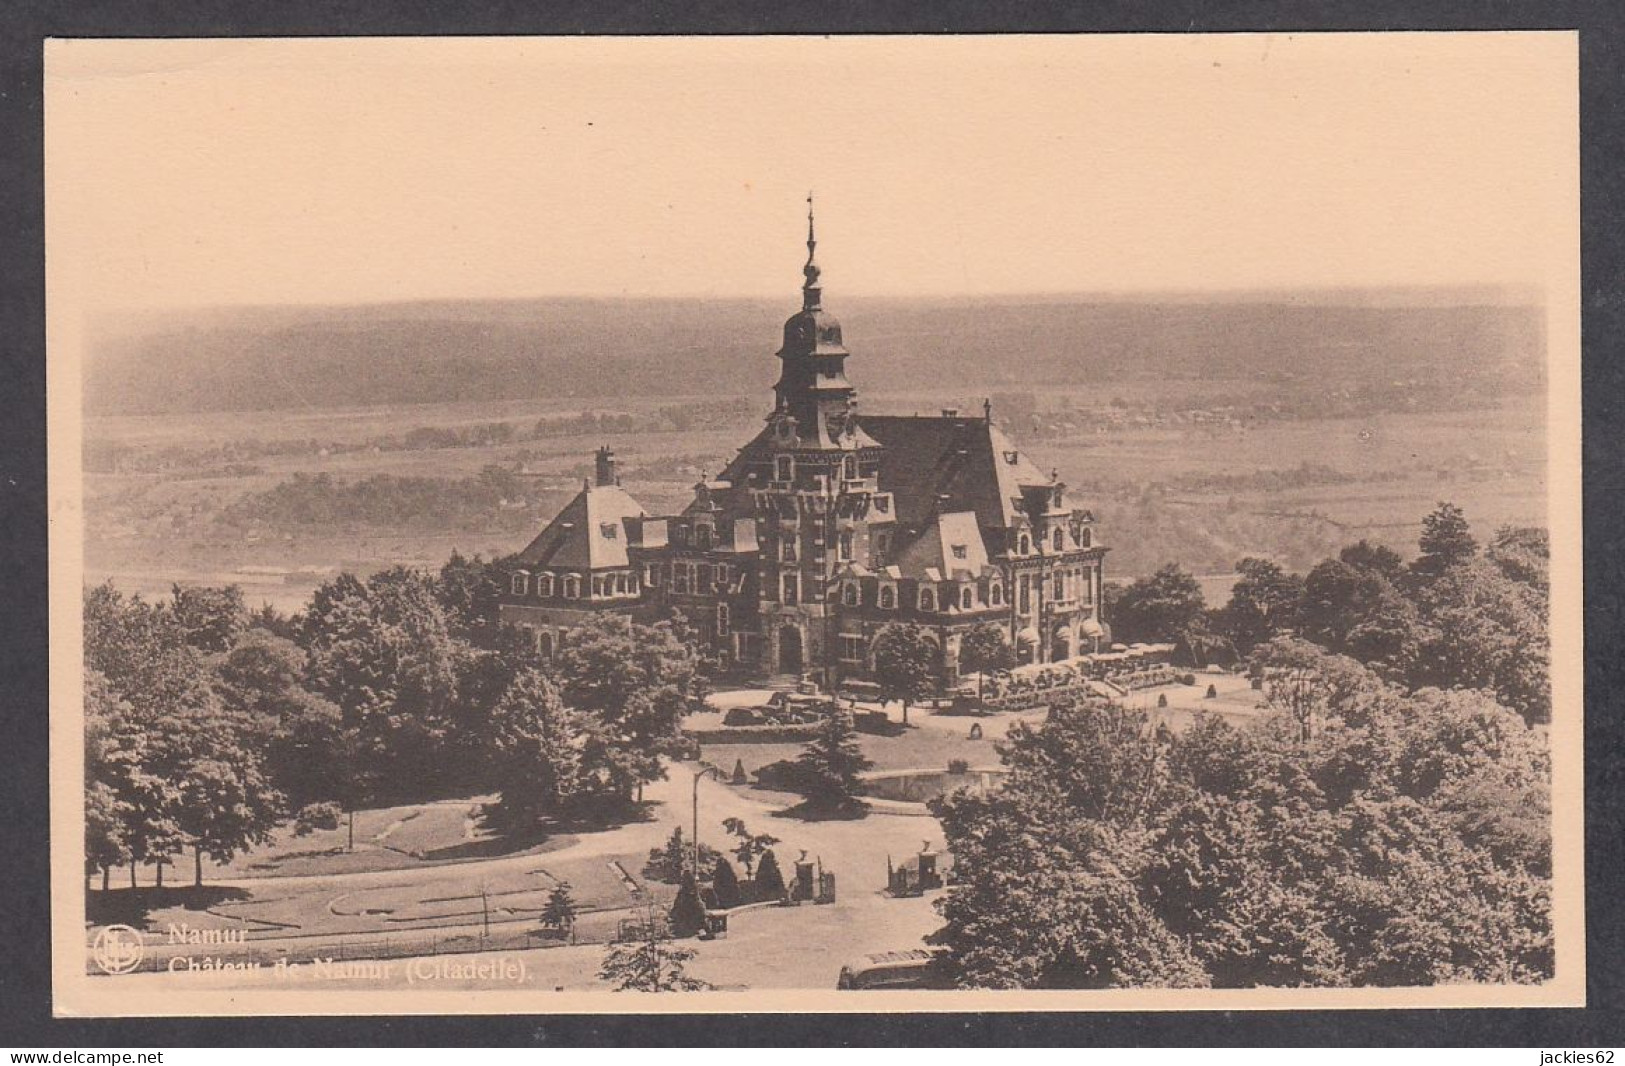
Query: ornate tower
point(812, 392)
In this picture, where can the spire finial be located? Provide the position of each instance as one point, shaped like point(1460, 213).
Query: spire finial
point(811, 294)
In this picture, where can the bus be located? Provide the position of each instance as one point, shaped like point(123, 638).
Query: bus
point(909, 968)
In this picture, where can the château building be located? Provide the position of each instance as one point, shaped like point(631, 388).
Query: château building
point(827, 527)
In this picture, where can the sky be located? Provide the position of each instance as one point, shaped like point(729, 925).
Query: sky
point(199, 173)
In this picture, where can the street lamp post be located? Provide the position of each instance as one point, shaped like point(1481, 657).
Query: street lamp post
point(706, 770)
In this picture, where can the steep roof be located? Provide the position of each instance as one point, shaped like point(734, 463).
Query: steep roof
point(949, 545)
point(590, 533)
point(947, 464)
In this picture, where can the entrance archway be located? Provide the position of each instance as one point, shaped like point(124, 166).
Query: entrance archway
point(790, 657)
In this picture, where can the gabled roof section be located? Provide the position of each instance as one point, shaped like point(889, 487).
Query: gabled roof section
point(590, 533)
point(948, 546)
point(949, 464)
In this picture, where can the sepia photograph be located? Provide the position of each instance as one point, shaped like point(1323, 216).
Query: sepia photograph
point(1079, 522)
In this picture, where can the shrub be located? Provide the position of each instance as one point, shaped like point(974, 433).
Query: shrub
point(725, 883)
point(316, 816)
point(769, 879)
point(687, 912)
point(958, 766)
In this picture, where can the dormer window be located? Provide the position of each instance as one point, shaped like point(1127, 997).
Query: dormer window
point(608, 531)
point(967, 599)
point(850, 468)
point(1024, 545)
point(960, 551)
point(544, 586)
point(1060, 544)
point(928, 600)
point(1086, 538)
point(572, 586)
point(702, 537)
point(849, 594)
point(888, 598)
point(521, 584)
point(995, 595)
point(785, 468)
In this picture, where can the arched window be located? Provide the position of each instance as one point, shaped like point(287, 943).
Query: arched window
point(521, 584)
point(995, 595)
point(1087, 538)
point(722, 619)
point(572, 586)
point(1024, 545)
point(882, 545)
point(888, 598)
point(792, 590)
point(1058, 542)
point(967, 598)
point(544, 586)
point(928, 600)
point(849, 594)
point(544, 644)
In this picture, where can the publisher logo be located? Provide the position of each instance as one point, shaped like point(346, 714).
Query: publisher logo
point(117, 949)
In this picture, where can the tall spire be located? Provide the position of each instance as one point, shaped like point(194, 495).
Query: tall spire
point(811, 292)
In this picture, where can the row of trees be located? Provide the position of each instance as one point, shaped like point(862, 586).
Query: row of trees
point(1457, 616)
point(1405, 840)
point(1389, 824)
point(208, 724)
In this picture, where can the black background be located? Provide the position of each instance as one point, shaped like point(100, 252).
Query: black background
point(25, 1008)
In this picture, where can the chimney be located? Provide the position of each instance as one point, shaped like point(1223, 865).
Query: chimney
point(605, 467)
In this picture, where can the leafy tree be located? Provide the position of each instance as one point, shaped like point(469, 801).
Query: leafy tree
point(651, 963)
point(668, 863)
point(1446, 541)
point(1263, 602)
point(469, 591)
point(750, 845)
point(769, 879)
point(1160, 607)
point(985, 649)
point(1488, 631)
point(538, 744)
point(1523, 554)
point(1360, 612)
point(559, 912)
point(210, 618)
point(382, 652)
point(905, 664)
point(725, 883)
point(687, 910)
point(1375, 558)
point(831, 764)
point(300, 734)
point(637, 681)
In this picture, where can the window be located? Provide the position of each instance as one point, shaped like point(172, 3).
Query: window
point(544, 586)
point(679, 577)
point(995, 595)
point(598, 584)
point(882, 545)
point(1024, 590)
point(1059, 544)
point(622, 584)
point(1086, 539)
point(960, 551)
point(888, 598)
point(1058, 589)
point(850, 468)
point(651, 575)
point(521, 584)
point(928, 600)
point(544, 643)
point(572, 586)
point(792, 590)
point(851, 649)
point(608, 531)
point(722, 619)
point(785, 468)
point(849, 594)
point(843, 545)
point(702, 537)
point(883, 504)
point(722, 575)
point(1024, 546)
point(967, 599)
point(787, 550)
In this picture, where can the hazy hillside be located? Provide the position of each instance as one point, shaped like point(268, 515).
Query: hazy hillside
point(268, 358)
